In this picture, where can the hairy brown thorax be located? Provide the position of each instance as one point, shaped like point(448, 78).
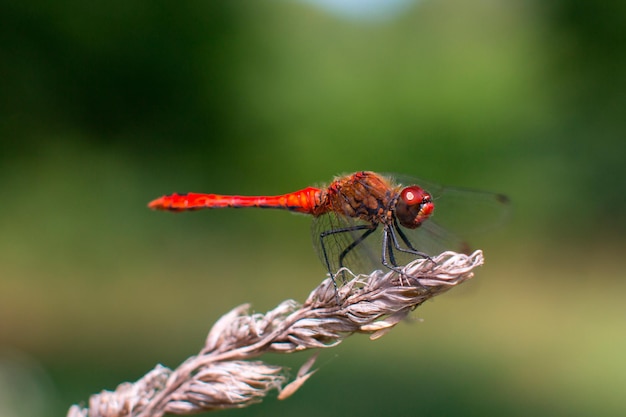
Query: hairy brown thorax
point(364, 195)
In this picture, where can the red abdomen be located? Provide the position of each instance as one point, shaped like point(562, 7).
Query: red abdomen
point(303, 201)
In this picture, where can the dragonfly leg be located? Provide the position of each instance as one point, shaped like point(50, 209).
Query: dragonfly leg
point(368, 230)
point(354, 244)
point(390, 242)
point(388, 259)
point(406, 241)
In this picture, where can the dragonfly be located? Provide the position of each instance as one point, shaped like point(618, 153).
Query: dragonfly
point(352, 208)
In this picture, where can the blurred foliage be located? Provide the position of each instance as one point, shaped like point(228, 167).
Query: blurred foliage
point(202, 94)
point(107, 105)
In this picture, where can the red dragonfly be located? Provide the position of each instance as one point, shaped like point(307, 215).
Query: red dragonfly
point(353, 207)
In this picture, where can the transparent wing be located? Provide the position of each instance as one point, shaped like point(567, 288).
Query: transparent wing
point(433, 239)
point(470, 212)
point(460, 216)
point(333, 234)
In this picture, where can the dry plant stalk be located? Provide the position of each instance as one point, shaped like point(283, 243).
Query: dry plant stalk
point(223, 375)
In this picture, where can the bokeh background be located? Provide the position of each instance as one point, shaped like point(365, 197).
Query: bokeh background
point(107, 105)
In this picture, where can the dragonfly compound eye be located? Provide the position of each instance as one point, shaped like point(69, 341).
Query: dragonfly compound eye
point(413, 207)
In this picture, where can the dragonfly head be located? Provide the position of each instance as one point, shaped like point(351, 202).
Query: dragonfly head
point(414, 206)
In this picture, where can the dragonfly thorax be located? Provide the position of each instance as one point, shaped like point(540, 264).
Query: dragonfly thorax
point(365, 195)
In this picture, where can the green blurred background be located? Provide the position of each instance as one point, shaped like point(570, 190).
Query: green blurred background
point(107, 105)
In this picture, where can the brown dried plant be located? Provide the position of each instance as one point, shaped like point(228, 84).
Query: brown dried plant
point(223, 375)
